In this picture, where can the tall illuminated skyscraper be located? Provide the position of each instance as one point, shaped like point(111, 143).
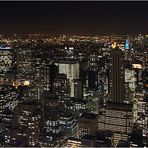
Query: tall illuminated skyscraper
point(117, 75)
point(71, 69)
point(127, 45)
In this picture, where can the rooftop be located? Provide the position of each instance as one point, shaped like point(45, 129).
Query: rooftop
point(88, 116)
point(61, 76)
point(88, 137)
point(79, 100)
point(67, 62)
point(119, 106)
point(48, 95)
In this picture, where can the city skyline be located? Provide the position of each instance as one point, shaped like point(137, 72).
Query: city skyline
point(73, 74)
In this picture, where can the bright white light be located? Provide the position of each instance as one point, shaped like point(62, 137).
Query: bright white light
point(137, 66)
point(26, 83)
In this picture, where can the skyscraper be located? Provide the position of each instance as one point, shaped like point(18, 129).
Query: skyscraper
point(117, 75)
point(87, 124)
point(25, 128)
point(61, 87)
point(51, 125)
point(6, 58)
point(118, 119)
point(71, 69)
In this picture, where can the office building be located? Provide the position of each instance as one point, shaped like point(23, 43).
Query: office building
point(71, 69)
point(50, 106)
point(68, 123)
point(8, 98)
point(93, 80)
point(119, 119)
point(24, 64)
point(78, 88)
point(15, 137)
point(72, 142)
point(141, 111)
point(6, 59)
point(79, 106)
point(61, 87)
point(117, 75)
point(26, 125)
point(87, 124)
point(51, 127)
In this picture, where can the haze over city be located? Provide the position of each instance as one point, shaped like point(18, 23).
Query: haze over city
point(80, 18)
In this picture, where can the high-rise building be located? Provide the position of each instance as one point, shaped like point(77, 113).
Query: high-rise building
point(92, 80)
point(6, 65)
point(2, 127)
point(53, 71)
point(119, 119)
point(87, 124)
point(117, 75)
point(78, 88)
point(141, 111)
point(51, 127)
point(79, 106)
point(15, 137)
point(127, 44)
point(26, 125)
point(40, 78)
point(8, 98)
point(92, 62)
point(137, 67)
point(6, 59)
point(68, 124)
point(71, 69)
point(7, 117)
point(61, 87)
point(24, 63)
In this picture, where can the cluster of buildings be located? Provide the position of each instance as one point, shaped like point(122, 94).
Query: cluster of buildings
point(74, 91)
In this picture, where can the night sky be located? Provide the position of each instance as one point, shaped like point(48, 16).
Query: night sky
point(81, 18)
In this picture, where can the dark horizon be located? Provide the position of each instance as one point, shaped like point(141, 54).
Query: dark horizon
point(78, 18)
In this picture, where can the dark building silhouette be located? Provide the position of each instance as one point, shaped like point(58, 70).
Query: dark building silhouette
point(92, 80)
point(51, 126)
point(53, 71)
point(78, 88)
point(117, 75)
point(87, 124)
